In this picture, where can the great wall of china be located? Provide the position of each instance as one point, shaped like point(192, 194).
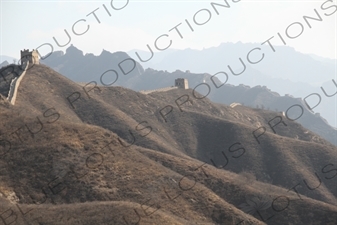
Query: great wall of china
point(14, 86)
point(158, 90)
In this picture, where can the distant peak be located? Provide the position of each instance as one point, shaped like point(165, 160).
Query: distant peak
point(105, 52)
point(72, 50)
point(118, 54)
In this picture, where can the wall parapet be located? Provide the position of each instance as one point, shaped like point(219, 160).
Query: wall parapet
point(14, 86)
point(158, 90)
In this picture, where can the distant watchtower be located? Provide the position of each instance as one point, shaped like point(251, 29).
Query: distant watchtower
point(32, 57)
point(181, 83)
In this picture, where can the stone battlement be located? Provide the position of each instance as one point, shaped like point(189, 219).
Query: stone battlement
point(32, 57)
point(181, 83)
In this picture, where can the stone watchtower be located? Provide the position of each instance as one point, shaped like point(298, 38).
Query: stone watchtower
point(181, 83)
point(32, 57)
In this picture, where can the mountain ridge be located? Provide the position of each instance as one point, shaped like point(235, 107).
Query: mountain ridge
point(102, 146)
point(254, 75)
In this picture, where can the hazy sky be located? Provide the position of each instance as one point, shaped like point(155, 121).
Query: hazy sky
point(28, 24)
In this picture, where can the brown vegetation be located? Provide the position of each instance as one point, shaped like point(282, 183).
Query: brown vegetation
point(100, 163)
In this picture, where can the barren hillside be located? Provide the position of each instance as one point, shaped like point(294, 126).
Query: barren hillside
point(109, 155)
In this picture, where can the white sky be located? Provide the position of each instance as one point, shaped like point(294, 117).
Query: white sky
point(28, 24)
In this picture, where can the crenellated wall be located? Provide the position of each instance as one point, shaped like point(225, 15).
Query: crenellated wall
point(14, 86)
point(158, 90)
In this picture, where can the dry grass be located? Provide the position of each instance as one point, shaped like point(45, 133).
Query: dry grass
point(100, 184)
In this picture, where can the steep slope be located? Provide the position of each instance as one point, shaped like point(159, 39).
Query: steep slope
point(89, 158)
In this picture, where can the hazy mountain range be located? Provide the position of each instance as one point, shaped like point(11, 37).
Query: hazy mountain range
point(284, 71)
point(285, 63)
